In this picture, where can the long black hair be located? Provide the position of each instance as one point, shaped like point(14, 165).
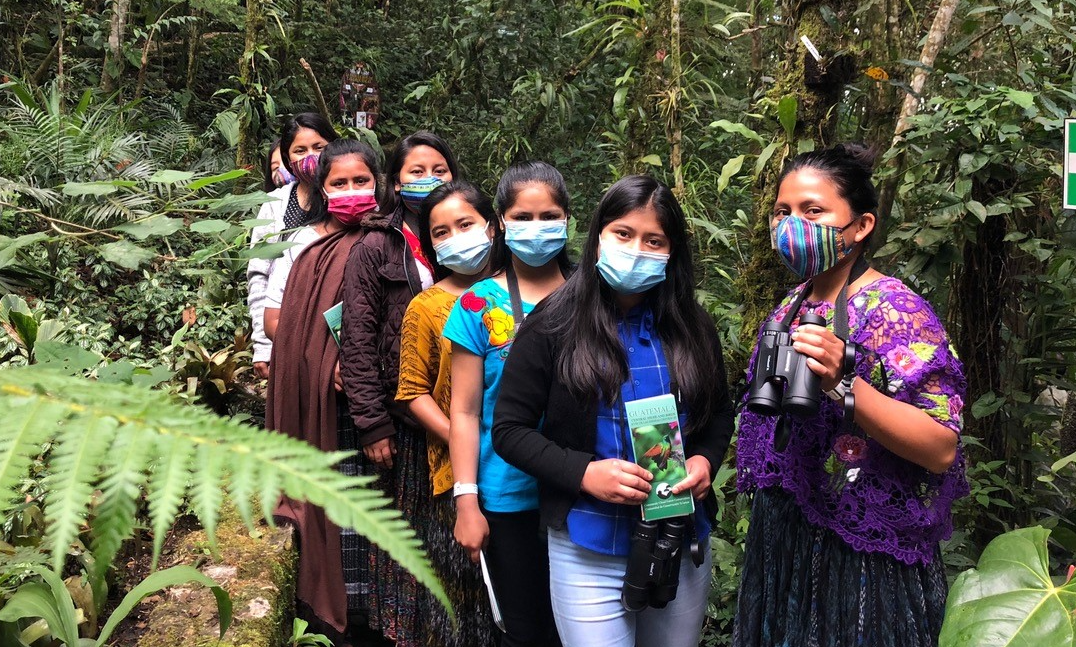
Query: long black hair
point(583, 313)
point(850, 168)
point(335, 150)
point(311, 120)
point(473, 196)
point(518, 177)
point(404, 148)
point(268, 183)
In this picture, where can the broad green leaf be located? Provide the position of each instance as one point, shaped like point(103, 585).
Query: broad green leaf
point(151, 227)
point(161, 580)
point(1021, 98)
point(1010, 600)
point(988, 404)
point(10, 246)
point(13, 303)
point(126, 254)
point(35, 600)
point(95, 188)
point(210, 226)
point(25, 327)
point(168, 176)
point(233, 203)
point(652, 160)
point(151, 377)
point(265, 250)
point(215, 179)
point(739, 129)
point(786, 114)
point(731, 168)
point(977, 209)
point(67, 358)
point(1059, 465)
point(764, 158)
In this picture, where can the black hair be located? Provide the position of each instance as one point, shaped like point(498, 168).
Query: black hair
point(404, 148)
point(583, 313)
point(850, 168)
point(335, 150)
point(267, 169)
point(311, 120)
point(473, 196)
point(518, 176)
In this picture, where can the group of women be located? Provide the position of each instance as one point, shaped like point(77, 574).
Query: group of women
point(482, 377)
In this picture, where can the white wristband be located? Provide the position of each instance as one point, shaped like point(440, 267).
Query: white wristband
point(459, 489)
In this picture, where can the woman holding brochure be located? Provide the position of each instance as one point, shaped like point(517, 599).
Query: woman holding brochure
point(623, 338)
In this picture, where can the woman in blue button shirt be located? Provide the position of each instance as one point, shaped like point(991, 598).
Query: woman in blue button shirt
point(624, 327)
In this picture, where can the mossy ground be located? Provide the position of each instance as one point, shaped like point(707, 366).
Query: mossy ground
point(258, 571)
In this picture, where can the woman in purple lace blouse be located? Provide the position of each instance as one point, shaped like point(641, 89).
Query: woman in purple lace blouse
point(843, 545)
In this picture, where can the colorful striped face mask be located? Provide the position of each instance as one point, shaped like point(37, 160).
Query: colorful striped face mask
point(413, 193)
point(809, 248)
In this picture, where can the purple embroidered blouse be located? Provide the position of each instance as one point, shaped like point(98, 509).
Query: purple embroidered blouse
point(890, 505)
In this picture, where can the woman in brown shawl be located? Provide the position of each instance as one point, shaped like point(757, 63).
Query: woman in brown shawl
point(303, 399)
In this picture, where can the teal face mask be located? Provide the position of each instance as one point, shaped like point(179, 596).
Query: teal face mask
point(536, 242)
point(631, 272)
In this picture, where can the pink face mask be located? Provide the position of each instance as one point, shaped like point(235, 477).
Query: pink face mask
point(349, 207)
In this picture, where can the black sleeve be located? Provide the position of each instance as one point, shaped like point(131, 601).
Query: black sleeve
point(529, 374)
point(711, 441)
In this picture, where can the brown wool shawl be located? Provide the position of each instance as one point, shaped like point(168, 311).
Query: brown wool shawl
point(302, 403)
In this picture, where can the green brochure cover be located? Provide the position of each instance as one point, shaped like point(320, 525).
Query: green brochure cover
point(658, 447)
point(333, 317)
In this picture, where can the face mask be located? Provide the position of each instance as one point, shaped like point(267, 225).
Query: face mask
point(628, 271)
point(536, 242)
point(282, 177)
point(465, 253)
point(306, 169)
point(349, 207)
point(413, 193)
point(809, 248)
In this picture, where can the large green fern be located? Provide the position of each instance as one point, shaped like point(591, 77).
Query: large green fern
point(125, 441)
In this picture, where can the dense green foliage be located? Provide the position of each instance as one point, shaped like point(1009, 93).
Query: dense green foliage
point(124, 206)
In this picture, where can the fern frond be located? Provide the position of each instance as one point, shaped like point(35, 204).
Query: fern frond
point(255, 460)
point(114, 517)
point(206, 496)
point(167, 486)
point(77, 455)
point(29, 423)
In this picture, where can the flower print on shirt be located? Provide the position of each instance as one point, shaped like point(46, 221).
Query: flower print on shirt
point(501, 325)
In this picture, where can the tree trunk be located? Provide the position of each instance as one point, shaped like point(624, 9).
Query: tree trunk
point(816, 87)
point(245, 152)
point(114, 53)
point(935, 39)
point(675, 96)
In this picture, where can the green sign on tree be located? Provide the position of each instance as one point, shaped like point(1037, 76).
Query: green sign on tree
point(1070, 164)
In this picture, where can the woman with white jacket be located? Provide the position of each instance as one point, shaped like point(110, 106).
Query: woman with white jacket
point(304, 136)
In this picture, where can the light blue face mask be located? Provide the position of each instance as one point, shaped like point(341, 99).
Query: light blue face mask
point(536, 242)
point(465, 253)
point(628, 271)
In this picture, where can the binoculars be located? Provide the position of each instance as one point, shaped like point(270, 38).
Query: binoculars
point(782, 382)
point(653, 573)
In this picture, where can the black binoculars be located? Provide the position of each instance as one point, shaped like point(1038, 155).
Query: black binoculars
point(653, 573)
point(782, 382)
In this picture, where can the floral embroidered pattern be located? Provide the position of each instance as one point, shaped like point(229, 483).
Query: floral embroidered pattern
point(473, 302)
point(500, 324)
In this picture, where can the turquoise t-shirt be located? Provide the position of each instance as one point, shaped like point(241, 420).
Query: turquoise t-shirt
point(482, 322)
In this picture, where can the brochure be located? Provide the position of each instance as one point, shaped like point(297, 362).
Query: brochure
point(659, 448)
point(333, 317)
point(494, 608)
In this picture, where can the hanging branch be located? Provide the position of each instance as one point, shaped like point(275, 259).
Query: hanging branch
point(319, 98)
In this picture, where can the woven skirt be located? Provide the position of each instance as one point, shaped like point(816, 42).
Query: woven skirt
point(803, 586)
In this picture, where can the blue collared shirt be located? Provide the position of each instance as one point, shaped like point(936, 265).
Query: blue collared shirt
point(606, 527)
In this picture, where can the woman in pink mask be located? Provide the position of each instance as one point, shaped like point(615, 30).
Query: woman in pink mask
point(303, 399)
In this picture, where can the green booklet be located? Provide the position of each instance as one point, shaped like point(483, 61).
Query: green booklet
point(658, 447)
point(333, 317)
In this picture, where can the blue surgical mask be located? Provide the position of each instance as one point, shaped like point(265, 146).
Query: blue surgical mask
point(465, 253)
point(628, 271)
point(536, 242)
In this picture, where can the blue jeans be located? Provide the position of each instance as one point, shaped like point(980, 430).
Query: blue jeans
point(585, 590)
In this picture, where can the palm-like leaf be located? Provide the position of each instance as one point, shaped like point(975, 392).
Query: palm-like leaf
point(170, 464)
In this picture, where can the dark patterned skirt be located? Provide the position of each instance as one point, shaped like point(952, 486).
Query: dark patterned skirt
point(354, 548)
point(803, 586)
point(462, 580)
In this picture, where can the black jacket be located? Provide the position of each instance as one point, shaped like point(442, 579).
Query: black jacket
point(558, 455)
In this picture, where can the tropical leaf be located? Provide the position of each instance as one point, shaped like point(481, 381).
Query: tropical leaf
point(170, 463)
point(1010, 599)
